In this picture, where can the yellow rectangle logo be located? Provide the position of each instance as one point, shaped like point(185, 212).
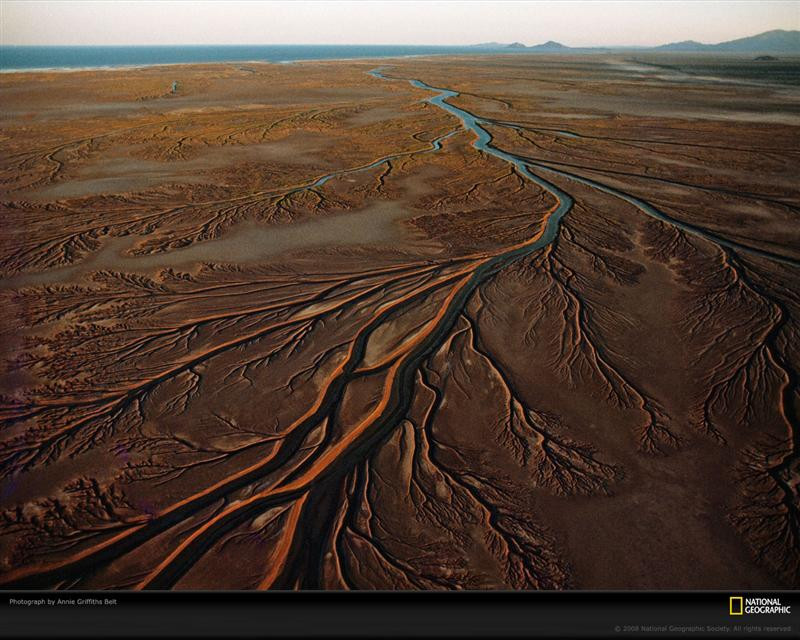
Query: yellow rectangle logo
point(737, 605)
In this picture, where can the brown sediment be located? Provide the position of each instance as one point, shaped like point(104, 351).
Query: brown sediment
point(394, 378)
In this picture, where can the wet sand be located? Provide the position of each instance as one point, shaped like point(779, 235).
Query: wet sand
point(378, 224)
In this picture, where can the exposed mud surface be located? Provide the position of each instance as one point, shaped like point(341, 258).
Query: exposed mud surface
point(297, 326)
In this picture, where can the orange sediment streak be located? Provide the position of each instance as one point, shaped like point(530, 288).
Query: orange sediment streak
point(323, 462)
point(298, 317)
point(24, 572)
point(326, 459)
point(281, 554)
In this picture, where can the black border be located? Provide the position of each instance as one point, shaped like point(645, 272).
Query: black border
point(397, 614)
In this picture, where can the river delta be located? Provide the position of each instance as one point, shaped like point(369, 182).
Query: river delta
point(501, 322)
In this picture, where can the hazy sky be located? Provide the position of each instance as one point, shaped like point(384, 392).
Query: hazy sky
point(576, 23)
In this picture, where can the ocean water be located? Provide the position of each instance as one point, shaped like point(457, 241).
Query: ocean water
point(19, 58)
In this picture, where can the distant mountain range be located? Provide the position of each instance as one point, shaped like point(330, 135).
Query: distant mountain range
point(776, 41)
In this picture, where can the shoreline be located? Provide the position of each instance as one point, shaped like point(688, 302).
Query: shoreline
point(476, 54)
point(237, 62)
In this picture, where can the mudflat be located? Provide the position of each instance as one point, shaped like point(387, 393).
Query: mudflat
point(528, 322)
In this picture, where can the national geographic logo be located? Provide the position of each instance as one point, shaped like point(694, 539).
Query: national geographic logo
point(739, 606)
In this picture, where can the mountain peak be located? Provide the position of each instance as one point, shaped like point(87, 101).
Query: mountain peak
point(550, 45)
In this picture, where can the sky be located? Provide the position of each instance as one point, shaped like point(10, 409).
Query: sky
point(434, 22)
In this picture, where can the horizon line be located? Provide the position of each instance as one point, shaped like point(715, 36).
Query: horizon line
point(386, 44)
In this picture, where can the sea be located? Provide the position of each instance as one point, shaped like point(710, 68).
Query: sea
point(19, 58)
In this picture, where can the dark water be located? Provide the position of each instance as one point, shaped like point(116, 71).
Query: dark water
point(522, 165)
point(13, 57)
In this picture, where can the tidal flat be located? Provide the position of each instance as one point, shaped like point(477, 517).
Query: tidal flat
point(496, 322)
